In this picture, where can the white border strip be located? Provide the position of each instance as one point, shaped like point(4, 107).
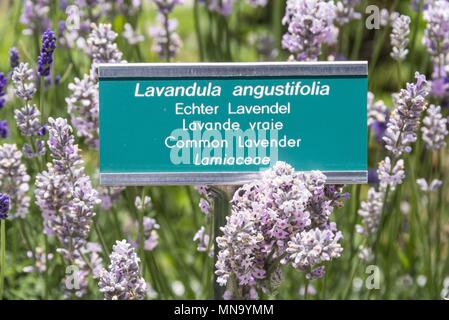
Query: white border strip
point(232, 69)
point(215, 178)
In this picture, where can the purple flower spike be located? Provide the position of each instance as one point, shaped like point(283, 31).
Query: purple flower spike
point(14, 57)
point(4, 206)
point(45, 58)
point(3, 83)
point(4, 129)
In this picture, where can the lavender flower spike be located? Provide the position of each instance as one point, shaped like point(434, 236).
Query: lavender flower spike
point(436, 35)
point(222, 7)
point(310, 248)
point(389, 174)
point(345, 10)
point(399, 37)
point(122, 280)
point(370, 211)
point(102, 46)
point(14, 179)
point(166, 41)
point(434, 130)
point(28, 120)
point(4, 129)
point(310, 24)
point(274, 221)
point(433, 186)
point(132, 36)
point(45, 59)
point(404, 120)
point(14, 58)
point(23, 79)
point(82, 105)
point(63, 192)
point(3, 83)
point(4, 206)
point(35, 16)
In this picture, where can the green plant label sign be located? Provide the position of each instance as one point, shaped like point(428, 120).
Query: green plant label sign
point(223, 123)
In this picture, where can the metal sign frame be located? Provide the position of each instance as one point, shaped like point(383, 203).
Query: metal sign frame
point(223, 70)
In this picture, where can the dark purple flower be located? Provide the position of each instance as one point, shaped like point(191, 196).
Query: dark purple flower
point(45, 58)
point(4, 130)
point(378, 128)
point(42, 131)
point(14, 58)
point(372, 176)
point(3, 83)
point(4, 206)
point(49, 81)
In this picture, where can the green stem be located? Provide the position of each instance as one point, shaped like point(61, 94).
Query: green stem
point(167, 43)
point(351, 279)
point(358, 36)
point(2, 257)
point(306, 289)
point(196, 17)
point(101, 238)
point(47, 287)
point(141, 230)
point(118, 229)
point(414, 36)
point(399, 75)
point(41, 98)
point(378, 44)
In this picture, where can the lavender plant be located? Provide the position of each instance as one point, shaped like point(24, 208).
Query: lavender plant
point(122, 280)
point(399, 37)
point(65, 195)
point(283, 219)
point(279, 225)
point(4, 206)
point(434, 130)
point(166, 41)
point(45, 59)
point(14, 58)
point(309, 25)
point(14, 180)
point(3, 83)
